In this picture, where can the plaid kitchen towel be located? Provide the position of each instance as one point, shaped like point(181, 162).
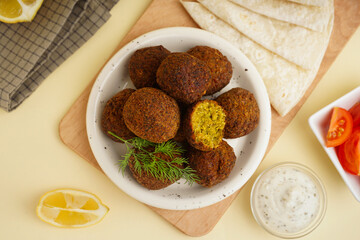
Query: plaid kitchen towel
point(29, 52)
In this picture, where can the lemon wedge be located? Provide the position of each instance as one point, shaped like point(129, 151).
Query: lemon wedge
point(70, 208)
point(13, 11)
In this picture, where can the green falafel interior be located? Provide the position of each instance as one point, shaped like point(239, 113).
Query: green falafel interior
point(208, 121)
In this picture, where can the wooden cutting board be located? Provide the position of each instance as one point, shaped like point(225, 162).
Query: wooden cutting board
point(169, 13)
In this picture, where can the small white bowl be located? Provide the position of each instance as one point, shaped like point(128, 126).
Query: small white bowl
point(266, 179)
point(319, 123)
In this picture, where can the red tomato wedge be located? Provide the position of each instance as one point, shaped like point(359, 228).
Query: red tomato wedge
point(355, 113)
point(349, 153)
point(341, 125)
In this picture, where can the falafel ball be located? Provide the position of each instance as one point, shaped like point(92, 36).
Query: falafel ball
point(214, 166)
point(220, 66)
point(183, 77)
point(112, 116)
point(242, 112)
point(144, 63)
point(204, 125)
point(180, 136)
point(146, 179)
point(152, 115)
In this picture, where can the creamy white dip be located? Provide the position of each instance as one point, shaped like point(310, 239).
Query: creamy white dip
point(286, 199)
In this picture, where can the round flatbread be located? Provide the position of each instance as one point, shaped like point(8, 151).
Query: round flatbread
point(314, 18)
point(298, 45)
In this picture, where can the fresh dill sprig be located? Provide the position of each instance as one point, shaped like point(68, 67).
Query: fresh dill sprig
point(154, 165)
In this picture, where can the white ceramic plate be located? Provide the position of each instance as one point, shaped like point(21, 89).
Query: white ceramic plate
point(249, 149)
point(319, 123)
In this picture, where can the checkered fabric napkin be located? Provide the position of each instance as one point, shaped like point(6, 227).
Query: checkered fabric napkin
point(29, 52)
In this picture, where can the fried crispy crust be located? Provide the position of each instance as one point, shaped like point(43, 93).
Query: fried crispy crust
point(242, 112)
point(183, 77)
point(144, 63)
point(112, 116)
point(220, 66)
point(214, 166)
point(152, 115)
point(180, 136)
point(146, 179)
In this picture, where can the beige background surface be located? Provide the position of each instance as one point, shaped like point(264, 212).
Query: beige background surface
point(33, 160)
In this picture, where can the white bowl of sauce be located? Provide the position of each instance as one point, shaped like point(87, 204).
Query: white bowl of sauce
point(288, 200)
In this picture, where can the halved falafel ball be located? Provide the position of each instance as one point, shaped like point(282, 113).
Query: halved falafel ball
point(183, 77)
point(144, 63)
point(112, 116)
point(152, 115)
point(204, 125)
point(146, 179)
point(242, 112)
point(214, 166)
point(220, 66)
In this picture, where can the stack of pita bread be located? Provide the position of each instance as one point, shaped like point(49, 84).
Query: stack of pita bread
point(285, 39)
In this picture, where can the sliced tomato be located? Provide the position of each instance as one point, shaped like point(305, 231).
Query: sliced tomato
point(355, 113)
point(340, 128)
point(349, 153)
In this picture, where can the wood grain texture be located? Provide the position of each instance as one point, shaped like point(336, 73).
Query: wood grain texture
point(168, 13)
